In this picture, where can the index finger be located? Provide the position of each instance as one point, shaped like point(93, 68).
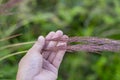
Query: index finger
point(60, 54)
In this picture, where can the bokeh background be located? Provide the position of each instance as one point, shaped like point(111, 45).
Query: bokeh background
point(24, 22)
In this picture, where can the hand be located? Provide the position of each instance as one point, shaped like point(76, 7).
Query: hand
point(40, 65)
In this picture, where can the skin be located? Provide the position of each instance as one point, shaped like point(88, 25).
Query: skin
point(42, 65)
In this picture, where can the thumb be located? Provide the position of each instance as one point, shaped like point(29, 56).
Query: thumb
point(38, 46)
point(31, 64)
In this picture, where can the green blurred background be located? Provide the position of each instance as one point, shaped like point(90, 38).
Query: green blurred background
point(31, 18)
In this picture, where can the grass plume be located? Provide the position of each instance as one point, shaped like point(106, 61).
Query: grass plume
point(8, 5)
point(88, 44)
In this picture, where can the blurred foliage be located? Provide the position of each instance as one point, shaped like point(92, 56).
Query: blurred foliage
point(32, 18)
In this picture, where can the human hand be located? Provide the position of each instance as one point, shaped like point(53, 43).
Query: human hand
point(40, 65)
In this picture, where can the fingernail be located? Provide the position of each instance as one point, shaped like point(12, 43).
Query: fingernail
point(60, 31)
point(40, 37)
point(61, 44)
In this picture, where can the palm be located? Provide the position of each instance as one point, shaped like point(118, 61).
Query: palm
point(51, 60)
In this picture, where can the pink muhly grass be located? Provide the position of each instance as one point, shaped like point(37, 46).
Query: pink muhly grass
point(87, 44)
point(8, 5)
